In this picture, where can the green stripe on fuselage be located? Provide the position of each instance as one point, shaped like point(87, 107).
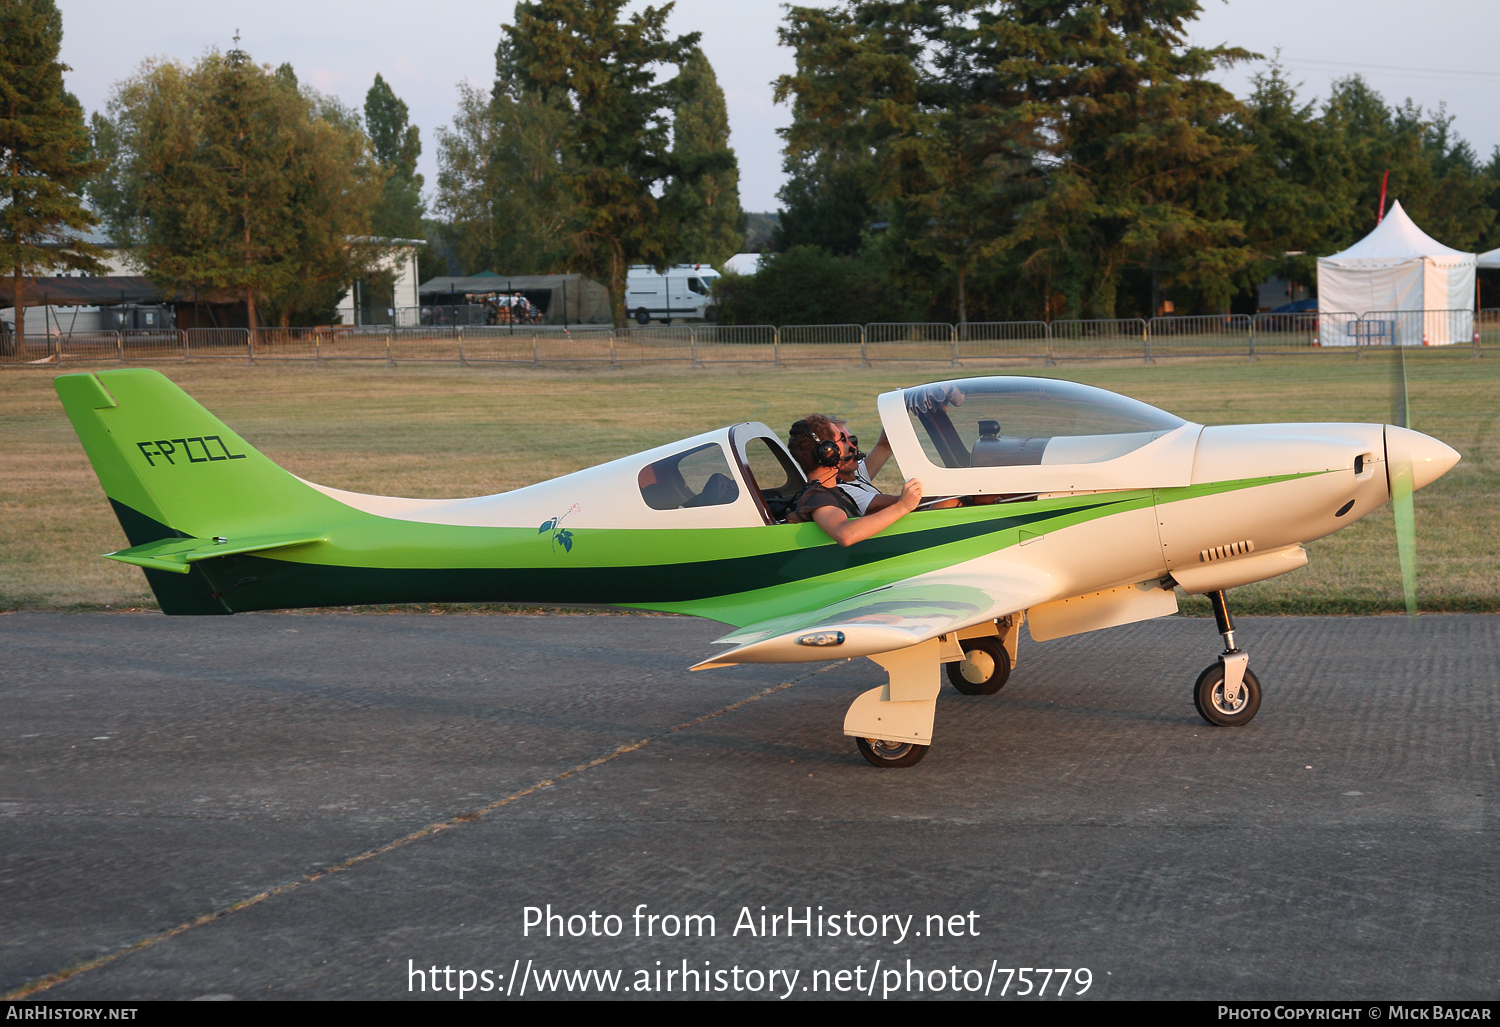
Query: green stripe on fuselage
point(735, 575)
point(756, 571)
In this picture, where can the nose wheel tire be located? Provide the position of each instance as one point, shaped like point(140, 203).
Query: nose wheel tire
point(882, 753)
point(1208, 697)
point(984, 669)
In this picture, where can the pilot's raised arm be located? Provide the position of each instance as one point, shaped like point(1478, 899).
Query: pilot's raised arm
point(821, 447)
point(858, 470)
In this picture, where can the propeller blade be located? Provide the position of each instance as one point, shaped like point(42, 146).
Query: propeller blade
point(1406, 530)
point(1400, 409)
point(1400, 470)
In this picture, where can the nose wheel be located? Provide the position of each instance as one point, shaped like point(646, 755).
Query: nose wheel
point(1227, 694)
point(1218, 708)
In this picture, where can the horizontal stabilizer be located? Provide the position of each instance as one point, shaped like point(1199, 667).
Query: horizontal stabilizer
point(179, 554)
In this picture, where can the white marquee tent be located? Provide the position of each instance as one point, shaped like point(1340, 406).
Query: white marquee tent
point(1397, 268)
point(1491, 260)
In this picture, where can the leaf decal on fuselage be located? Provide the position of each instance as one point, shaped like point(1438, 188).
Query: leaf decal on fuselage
point(547, 526)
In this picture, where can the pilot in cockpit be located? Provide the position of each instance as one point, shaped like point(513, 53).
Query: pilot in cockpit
point(821, 447)
point(857, 472)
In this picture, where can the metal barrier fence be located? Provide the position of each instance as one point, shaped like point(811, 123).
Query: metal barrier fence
point(698, 345)
point(648, 345)
point(735, 344)
point(928, 342)
point(987, 340)
point(1198, 336)
point(1487, 328)
point(800, 343)
point(1420, 327)
point(1099, 339)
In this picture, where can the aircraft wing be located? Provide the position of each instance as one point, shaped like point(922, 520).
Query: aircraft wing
point(887, 618)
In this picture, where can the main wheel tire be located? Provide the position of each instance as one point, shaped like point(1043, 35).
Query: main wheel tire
point(1208, 697)
point(642, 317)
point(882, 753)
point(984, 669)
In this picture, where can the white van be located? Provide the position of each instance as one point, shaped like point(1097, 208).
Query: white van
point(684, 291)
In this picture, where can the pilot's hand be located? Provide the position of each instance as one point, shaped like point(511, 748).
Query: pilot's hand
point(911, 494)
point(935, 397)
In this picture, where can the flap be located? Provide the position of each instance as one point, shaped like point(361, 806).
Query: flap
point(179, 554)
point(885, 619)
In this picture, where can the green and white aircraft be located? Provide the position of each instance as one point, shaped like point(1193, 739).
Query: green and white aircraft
point(1090, 508)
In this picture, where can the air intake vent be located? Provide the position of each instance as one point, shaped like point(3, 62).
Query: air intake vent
point(1224, 552)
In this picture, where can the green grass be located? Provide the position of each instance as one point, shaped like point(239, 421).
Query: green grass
point(441, 431)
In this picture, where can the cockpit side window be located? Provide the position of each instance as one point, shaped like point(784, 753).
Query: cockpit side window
point(773, 471)
point(694, 478)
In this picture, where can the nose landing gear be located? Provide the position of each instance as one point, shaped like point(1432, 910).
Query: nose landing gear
point(1227, 694)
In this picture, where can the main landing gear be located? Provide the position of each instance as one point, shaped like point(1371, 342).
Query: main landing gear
point(1227, 694)
point(984, 669)
point(883, 753)
point(892, 724)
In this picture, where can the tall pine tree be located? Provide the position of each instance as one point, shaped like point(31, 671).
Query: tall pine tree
point(504, 174)
point(844, 78)
point(704, 197)
point(1134, 169)
point(45, 160)
point(604, 67)
point(397, 147)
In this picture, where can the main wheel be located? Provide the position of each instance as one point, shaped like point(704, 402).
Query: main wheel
point(891, 754)
point(642, 317)
point(1208, 697)
point(984, 669)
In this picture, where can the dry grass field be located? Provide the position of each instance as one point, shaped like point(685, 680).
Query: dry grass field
point(442, 431)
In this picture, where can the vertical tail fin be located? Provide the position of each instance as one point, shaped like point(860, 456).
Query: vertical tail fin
point(172, 470)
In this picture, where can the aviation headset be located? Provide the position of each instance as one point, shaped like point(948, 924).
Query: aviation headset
point(825, 454)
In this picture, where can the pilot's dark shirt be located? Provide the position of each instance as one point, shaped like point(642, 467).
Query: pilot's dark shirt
point(815, 496)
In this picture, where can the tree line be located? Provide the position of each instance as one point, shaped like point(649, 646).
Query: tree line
point(947, 160)
point(963, 160)
point(226, 178)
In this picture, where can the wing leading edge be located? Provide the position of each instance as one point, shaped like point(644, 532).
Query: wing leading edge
point(886, 619)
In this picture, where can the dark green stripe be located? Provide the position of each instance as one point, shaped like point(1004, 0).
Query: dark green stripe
point(251, 582)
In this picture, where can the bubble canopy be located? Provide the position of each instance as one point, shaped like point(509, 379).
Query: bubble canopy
point(1016, 421)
